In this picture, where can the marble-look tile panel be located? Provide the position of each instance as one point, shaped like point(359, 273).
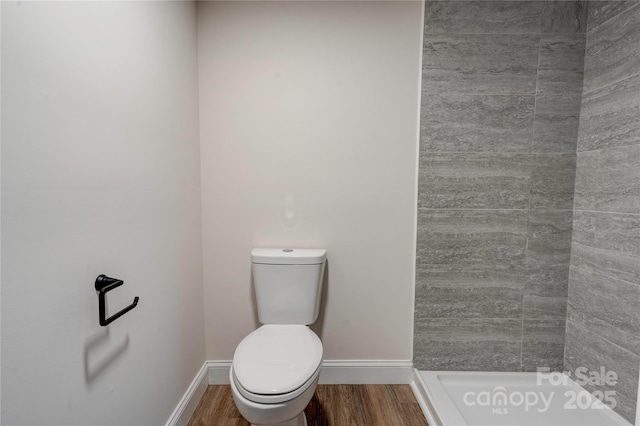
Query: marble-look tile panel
point(455, 122)
point(613, 52)
point(561, 66)
point(546, 280)
point(469, 302)
point(480, 64)
point(542, 344)
point(548, 252)
point(564, 17)
point(609, 263)
point(608, 243)
point(610, 116)
point(544, 307)
point(552, 181)
point(610, 231)
point(453, 290)
point(607, 306)
point(474, 180)
point(483, 17)
point(549, 234)
point(586, 349)
point(608, 180)
point(491, 239)
point(556, 124)
point(627, 405)
point(601, 11)
point(468, 344)
point(460, 276)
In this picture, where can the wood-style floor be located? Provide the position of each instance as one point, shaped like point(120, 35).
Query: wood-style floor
point(332, 405)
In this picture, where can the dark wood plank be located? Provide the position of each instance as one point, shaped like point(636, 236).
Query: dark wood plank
point(332, 405)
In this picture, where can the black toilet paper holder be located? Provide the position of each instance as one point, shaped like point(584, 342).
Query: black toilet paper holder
point(103, 285)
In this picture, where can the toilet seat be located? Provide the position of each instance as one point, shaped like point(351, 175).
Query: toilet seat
point(275, 398)
point(276, 361)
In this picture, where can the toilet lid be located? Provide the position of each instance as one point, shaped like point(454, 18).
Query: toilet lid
point(277, 359)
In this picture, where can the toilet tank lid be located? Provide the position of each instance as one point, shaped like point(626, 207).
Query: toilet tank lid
point(288, 256)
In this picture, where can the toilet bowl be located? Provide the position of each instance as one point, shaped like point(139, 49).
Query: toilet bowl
point(275, 368)
point(274, 374)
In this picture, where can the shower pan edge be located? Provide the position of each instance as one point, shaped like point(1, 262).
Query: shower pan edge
point(474, 398)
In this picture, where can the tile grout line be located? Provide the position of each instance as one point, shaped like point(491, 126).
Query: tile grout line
point(505, 34)
point(526, 245)
point(609, 20)
point(575, 176)
point(533, 209)
point(612, 83)
point(528, 151)
point(587, 330)
point(631, 145)
point(605, 211)
point(622, 280)
point(597, 28)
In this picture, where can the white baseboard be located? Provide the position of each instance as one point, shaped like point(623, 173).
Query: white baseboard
point(219, 372)
point(359, 372)
point(421, 393)
point(190, 399)
point(366, 372)
point(338, 372)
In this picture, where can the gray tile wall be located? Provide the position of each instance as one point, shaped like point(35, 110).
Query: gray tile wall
point(499, 127)
point(603, 318)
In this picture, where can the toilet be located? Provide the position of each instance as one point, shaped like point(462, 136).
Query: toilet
point(275, 368)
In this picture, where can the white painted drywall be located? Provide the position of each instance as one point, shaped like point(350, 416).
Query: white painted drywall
point(309, 130)
point(100, 174)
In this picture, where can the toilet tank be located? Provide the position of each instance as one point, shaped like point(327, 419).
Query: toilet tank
point(288, 284)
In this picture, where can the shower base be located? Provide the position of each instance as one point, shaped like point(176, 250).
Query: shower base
point(511, 399)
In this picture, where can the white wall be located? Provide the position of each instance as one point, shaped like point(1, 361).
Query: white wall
point(309, 129)
point(100, 174)
point(101, 170)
